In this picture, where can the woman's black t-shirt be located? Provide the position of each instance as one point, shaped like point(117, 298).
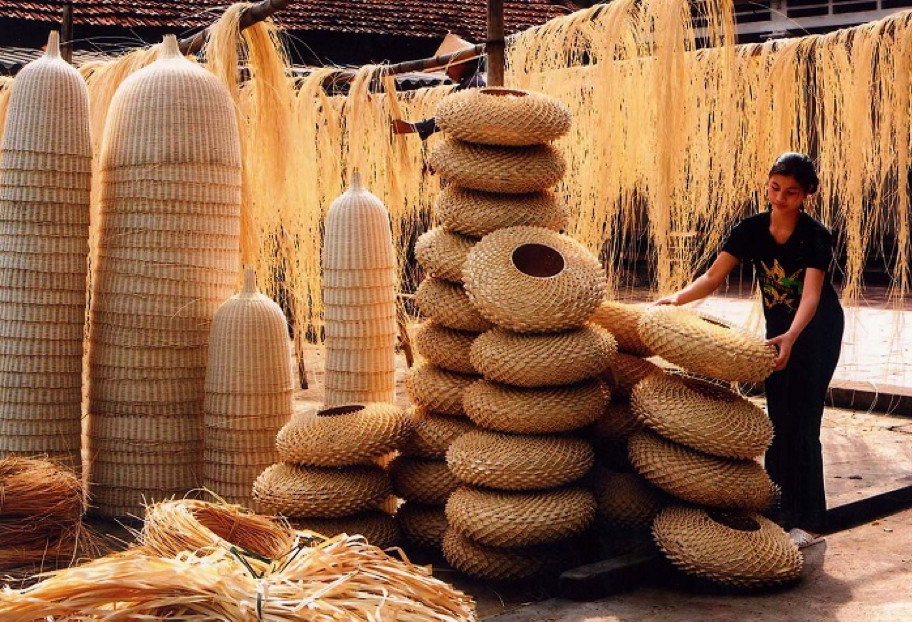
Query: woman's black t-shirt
point(780, 268)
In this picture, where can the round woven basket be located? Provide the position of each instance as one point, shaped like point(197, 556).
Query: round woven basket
point(625, 371)
point(378, 528)
point(511, 462)
point(445, 347)
point(706, 346)
point(423, 525)
point(436, 389)
point(45, 168)
point(534, 411)
point(532, 280)
point(542, 360)
point(448, 304)
point(442, 253)
point(185, 162)
point(428, 482)
point(513, 170)
point(431, 434)
point(343, 435)
point(621, 320)
point(490, 563)
point(615, 423)
point(512, 519)
point(735, 549)
point(499, 116)
point(703, 416)
point(476, 214)
point(626, 499)
point(700, 478)
point(313, 492)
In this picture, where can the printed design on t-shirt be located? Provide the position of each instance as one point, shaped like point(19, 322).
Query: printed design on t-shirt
point(778, 288)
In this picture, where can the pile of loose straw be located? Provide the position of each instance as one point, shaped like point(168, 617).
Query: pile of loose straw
point(221, 578)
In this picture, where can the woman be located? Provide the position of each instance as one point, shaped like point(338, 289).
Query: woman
point(791, 254)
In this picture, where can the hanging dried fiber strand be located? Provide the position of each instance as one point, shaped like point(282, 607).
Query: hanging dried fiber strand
point(167, 258)
point(6, 87)
point(45, 182)
point(249, 391)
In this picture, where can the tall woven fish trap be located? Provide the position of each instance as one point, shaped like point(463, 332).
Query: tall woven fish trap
point(45, 180)
point(249, 390)
point(359, 276)
point(167, 259)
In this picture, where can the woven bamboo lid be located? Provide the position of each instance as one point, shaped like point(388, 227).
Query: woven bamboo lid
point(476, 214)
point(514, 462)
point(706, 346)
point(490, 563)
point(701, 478)
point(378, 528)
point(431, 434)
point(625, 371)
point(437, 389)
point(442, 253)
point(706, 417)
point(448, 305)
point(541, 360)
point(626, 499)
point(424, 525)
point(731, 548)
point(358, 232)
point(532, 280)
point(512, 519)
point(428, 482)
point(445, 347)
point(621, 320)
point(513, 170)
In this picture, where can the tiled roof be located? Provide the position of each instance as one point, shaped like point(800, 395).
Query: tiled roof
point(417, 18)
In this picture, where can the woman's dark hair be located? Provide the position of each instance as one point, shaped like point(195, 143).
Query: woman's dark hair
point(799, 166)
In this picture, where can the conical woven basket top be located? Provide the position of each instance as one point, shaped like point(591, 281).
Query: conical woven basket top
point(358, 234)
point(45, 181)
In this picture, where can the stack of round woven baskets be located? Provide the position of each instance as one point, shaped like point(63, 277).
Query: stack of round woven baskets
point(533, 290)
point(699, 443)
point(359, 300)
point(327, 480)
point(167, 258)
point(249, 391)
point(45, 179)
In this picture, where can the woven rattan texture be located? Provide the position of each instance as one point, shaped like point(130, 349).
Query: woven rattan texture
point(378, 528)
point(476, 214)
point(615, 423)
point(448, 304)
point(542, 360)
point(708, 418)
point(513, 170)
point(167, 258)
point(442, 253)
point(490, 563)
point(445, 347)
point(329, 440)
point(703, 547)
point(514, 462)
point(534, 411)
point(436, 389)
point(625, 371)
point(626, 499)
point(423, 525)
point(431, 434)
point(524, 303)
point(313, 492)
point(498, 116)
point(513, 519)
point(45, 180)
point(621, 320)
point(705, 347)
point(700, 478)
point(428, 482)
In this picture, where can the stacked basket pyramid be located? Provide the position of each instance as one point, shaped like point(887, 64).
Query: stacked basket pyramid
point(45, 179)
point(699, 443)
point(167, 258)
point(249, 391)
point(534, 290)
point(359, 297)
point(328, 480)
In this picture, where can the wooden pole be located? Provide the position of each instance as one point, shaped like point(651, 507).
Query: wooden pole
point(252, 15)
point(66, 34)
point(495, 43)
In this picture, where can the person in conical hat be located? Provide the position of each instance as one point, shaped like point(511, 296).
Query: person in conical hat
point(464, 72)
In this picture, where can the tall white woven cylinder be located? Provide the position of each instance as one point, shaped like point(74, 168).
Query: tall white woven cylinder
point(249, 391)
point(359, 275)
point(167, 258)
point(45, 179)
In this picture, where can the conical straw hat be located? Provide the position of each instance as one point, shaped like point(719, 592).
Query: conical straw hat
point(514, 462)
point(731, 548)
point(489, 563)
point(532, 280)
point(476, 214)
point(701, 478)
point(621, 320)
point(442, 253)
point(512, 170)
point(436, 389)
point(706, 346)
point(625, 371)
point(378, 528)
point(431, 434)
point(499, 116)
point(626, 499)
point(428, 482)
point(541, 360)
point(445, 347)
point(512, 519)
point(448, 305)
point(423, 525)
point(706, 417)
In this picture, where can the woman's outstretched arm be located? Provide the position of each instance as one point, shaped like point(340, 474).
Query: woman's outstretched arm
point(706, 284)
